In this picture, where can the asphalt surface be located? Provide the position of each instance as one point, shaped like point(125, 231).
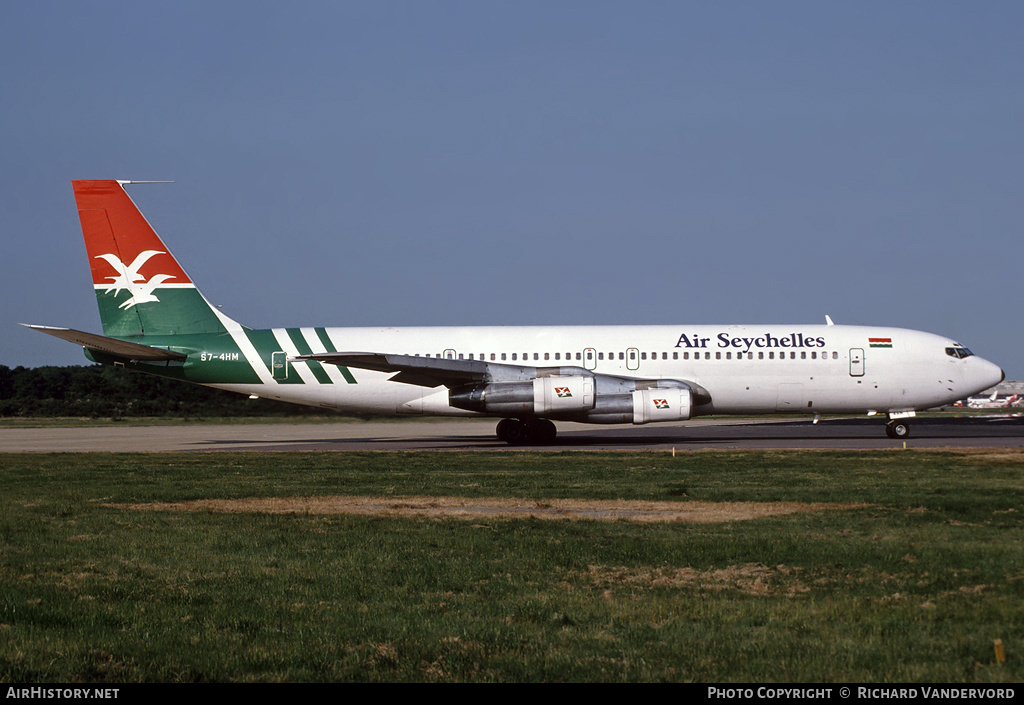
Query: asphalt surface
point(996, 430)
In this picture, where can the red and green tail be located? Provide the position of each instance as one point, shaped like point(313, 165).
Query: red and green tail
point(140, 288)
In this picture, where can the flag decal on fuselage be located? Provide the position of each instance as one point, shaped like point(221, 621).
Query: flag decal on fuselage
point(880, 342)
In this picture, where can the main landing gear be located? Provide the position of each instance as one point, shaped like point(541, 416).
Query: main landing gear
point(516, 432)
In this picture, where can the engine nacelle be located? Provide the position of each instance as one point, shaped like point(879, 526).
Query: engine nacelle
point(661, 405)
point(545, 396)
point(554, 395)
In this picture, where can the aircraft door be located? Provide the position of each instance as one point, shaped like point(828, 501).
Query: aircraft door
point(632, 359)
point(590, 358)
point(279, 362)
point(856, 362)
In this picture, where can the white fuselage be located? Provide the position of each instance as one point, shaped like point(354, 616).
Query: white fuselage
point(746, 369)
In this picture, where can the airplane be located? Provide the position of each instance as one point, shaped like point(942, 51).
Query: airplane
point(155, 320)
point(993, 402)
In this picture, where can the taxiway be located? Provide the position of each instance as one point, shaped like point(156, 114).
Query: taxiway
point(462, 435)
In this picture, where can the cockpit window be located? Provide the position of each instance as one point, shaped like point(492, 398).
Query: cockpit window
point(959, 352)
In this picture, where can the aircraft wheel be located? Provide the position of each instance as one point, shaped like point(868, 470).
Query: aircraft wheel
point(512, 431)
point(897, 429)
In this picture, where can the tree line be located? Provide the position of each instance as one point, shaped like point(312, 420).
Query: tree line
point(101, 391)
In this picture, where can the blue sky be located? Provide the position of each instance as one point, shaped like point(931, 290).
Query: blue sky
point(463, 163)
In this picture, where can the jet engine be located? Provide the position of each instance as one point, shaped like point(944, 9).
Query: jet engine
point(586, 398)
point(544, 396)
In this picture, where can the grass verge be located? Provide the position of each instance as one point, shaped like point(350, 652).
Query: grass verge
point(912, 585)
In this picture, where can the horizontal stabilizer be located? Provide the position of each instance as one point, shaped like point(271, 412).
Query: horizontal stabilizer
point(111, 346)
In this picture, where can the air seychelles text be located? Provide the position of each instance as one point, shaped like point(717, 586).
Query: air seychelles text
point(724, 340)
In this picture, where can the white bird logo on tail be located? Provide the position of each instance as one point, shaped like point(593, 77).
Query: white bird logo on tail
point(128, 277)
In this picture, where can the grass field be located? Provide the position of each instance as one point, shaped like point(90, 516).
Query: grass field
point(911, 579)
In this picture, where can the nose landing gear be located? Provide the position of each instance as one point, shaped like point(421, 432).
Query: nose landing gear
point(898, 429)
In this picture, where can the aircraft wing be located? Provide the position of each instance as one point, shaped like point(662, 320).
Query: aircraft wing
point(436, 371)
point(110, 346)
point(427, 371)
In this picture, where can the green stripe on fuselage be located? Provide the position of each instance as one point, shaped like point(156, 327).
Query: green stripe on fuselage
point(266, 345)
point(329, 347)
point(315, 367)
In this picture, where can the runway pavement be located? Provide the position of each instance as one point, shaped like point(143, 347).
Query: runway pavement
point(997, 430)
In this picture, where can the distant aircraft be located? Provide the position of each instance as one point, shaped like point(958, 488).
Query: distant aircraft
point(994, 402)
point(155, 320)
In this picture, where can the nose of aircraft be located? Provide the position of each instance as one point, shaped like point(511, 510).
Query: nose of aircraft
point(983, 374)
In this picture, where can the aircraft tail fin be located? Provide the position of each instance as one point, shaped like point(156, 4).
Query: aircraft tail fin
point(140, 287)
